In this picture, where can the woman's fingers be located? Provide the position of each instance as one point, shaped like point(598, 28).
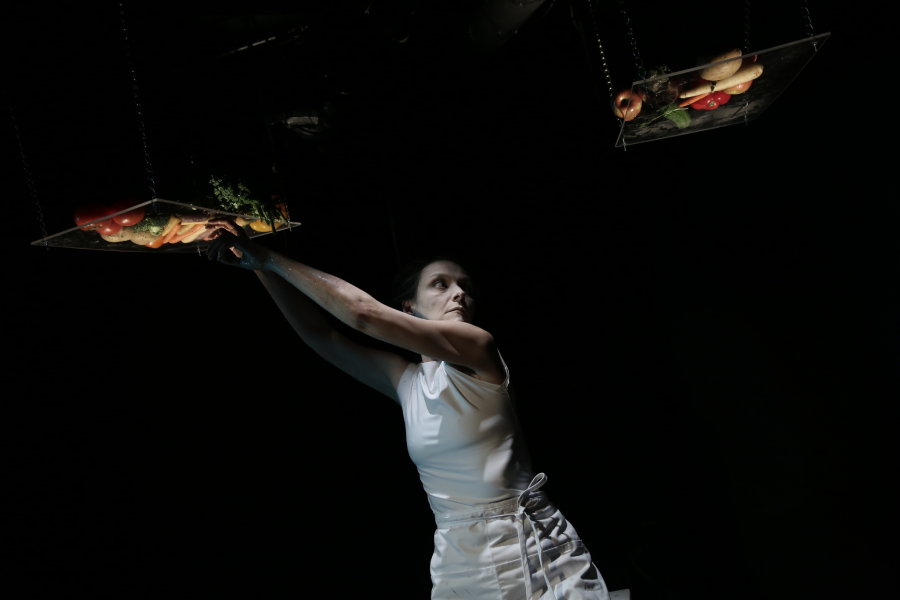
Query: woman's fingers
point(228, 225)
point(225, 256)
point(226, 245)
point(218, 243)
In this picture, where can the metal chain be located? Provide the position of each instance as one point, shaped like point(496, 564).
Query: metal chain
point(602, 54)
point(746, 26)
point(32, 192)
point(809, 26)
point(137, 107)
point(638, 63)
point(746, 51)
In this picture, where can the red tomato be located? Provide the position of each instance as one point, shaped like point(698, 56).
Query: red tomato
point(712, 102)
point(132, 216)
point(110, 228)
point(720, 98)
point(705, 103)
point(739, 88)
point(91, 212)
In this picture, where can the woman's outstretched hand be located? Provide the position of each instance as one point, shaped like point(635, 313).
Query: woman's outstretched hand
point(245, 253)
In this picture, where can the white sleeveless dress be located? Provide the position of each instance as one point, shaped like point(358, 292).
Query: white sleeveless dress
point(463, 435)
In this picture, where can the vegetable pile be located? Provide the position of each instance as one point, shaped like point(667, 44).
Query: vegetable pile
point(708, 89)
point(171, 224)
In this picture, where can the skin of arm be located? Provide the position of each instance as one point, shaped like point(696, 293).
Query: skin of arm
point(378, 369)
point(452, 341)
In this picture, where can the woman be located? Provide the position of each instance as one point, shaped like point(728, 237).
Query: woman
point(498, 536)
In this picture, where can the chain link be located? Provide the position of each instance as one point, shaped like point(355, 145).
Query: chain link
point(746, 26)
point(602, 54)
point(746, 51)
point(808, 20)
point(638, 62)
point(32, 192)
point(137, 107)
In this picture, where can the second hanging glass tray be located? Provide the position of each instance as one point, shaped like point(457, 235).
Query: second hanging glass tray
point(781, 65)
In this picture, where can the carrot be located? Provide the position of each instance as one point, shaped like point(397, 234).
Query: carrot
point(193, 233)
point(188, 233)
point(172, 233)
point(172, 224)
point(743, 75)
point(692, 100)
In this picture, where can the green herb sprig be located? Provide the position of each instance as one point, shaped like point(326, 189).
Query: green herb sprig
point(679, 116)
point(242, 203)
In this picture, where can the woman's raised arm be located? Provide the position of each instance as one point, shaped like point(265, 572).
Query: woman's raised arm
point(453, 341)
point(378, 369)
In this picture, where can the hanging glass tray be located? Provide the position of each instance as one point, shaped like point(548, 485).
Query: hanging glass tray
point(91, 240)
point(781, 65)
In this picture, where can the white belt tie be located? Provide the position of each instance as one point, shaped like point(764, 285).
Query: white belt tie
point(539, 480)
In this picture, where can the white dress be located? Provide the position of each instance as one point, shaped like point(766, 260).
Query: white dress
point(463, 435)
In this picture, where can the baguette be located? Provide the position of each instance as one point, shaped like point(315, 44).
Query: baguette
point(743, 75)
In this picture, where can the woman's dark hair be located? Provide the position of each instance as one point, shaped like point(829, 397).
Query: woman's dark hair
point(406, 282)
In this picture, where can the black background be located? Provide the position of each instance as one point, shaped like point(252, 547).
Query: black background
point(702, 331)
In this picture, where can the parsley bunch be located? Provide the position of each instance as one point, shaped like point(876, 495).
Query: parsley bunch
point(242, 203)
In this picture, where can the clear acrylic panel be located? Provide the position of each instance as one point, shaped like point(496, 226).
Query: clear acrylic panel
point(91, 240)
point(780, 64)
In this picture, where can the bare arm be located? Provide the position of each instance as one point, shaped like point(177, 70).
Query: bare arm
point(455, 342)
point(452, 341)
point(378, 369)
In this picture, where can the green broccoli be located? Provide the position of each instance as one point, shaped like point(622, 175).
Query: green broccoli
point(152, 223)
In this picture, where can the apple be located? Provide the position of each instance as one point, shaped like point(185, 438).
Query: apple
point(627, 105)
point(739, 88)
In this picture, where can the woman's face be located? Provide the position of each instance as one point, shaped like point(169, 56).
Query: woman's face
point(443, 294)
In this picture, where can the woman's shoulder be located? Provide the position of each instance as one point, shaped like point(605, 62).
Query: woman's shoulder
point(497, 376)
